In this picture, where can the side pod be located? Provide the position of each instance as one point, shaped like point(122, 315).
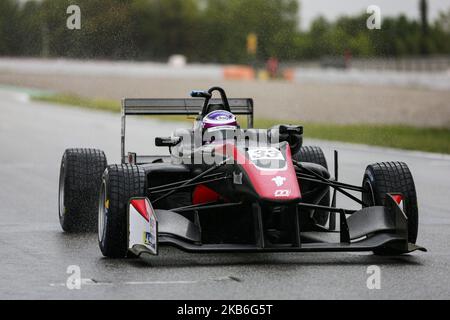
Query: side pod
point(142, 227)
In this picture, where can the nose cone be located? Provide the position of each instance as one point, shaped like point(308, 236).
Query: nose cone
point(277, 185)
point(271, 173)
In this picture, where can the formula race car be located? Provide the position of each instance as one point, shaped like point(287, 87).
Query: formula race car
point(225, 188)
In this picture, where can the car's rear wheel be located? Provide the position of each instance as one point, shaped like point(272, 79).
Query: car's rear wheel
point(395, 178)
point(79, 182)
point(120, 183)
point(315, 155)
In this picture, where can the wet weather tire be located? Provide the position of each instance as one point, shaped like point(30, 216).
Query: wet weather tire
point(120, 183)
point(79, 184)
point(315, 155)
point(393, 177)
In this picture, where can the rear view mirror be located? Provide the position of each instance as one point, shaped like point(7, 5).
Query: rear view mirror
point(200, 94)
point(168, 141)
point(290, 129)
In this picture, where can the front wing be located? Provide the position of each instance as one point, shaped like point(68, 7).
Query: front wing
point(366, 230)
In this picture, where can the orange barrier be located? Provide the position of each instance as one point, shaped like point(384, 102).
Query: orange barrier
point(238, 73)
point(289, 74)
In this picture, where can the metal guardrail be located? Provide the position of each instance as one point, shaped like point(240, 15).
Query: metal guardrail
point(429, 64)
point(419, 64)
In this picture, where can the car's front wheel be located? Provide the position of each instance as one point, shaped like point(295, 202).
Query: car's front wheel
point(395, 178)
point(119, 184)
point(79, 182)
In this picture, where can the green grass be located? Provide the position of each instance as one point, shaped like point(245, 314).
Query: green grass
point(72, 100)
point(94, 103)
point(394, 136)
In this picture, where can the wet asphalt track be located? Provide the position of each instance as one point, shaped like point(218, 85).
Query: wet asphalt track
point(35, 253)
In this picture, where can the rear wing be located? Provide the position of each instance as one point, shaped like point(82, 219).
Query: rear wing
point(187, 107)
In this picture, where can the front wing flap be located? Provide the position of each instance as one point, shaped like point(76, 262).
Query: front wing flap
point(142, 227)
point(369, 229)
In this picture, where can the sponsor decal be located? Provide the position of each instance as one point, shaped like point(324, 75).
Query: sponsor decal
point(279, 181)
point(282, 193)
point(237, 178)
point(220, 115)
point(150, 238)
